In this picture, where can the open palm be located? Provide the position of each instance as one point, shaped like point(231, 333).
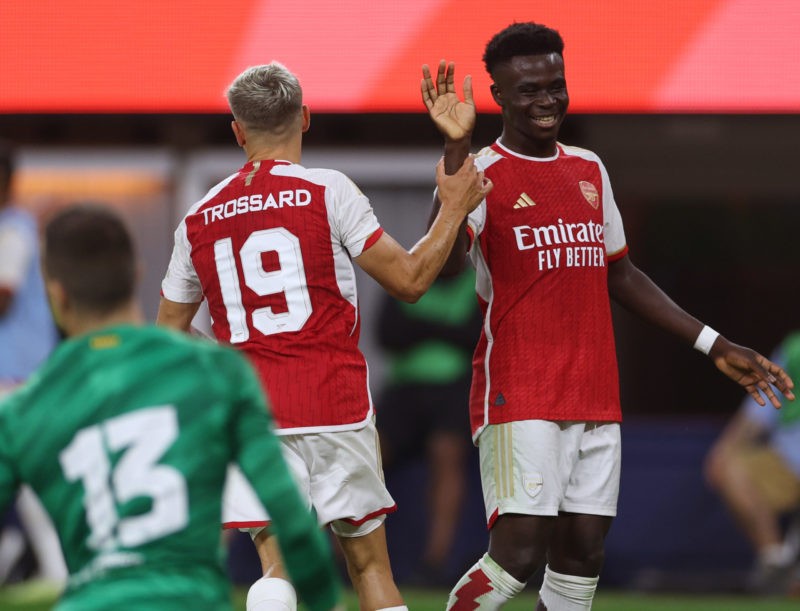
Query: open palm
point(454, 118)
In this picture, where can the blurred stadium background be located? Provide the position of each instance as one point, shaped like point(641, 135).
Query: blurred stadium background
point(694, 105)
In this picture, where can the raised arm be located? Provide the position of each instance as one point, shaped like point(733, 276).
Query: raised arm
point(406, 275)
point(636, 292)
point(455, 120)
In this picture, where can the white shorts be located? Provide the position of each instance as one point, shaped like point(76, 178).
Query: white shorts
point(338, 473)
point(541, 467)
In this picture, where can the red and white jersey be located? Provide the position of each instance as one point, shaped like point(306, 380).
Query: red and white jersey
point(270, 248)
point(542, 240)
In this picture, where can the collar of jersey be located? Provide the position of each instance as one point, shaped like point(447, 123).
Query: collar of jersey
point(541, 159)
point(271, 162)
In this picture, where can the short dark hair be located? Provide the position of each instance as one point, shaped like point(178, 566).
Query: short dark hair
point(266, 98)
point(88, 249)
point(521, 39)
point(6, 168)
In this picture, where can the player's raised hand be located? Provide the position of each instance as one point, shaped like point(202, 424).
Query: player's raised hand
point(454, 118)
point(463, 190)
point(756, 373)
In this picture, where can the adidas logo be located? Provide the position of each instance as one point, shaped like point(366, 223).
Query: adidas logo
point(524, 201)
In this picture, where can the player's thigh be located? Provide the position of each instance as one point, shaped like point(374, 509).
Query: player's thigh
point(241, 507)
point(593, 486)
point(526, 466)
point(346, 483)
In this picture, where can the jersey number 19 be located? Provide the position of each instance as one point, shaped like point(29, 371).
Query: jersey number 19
point(289, 279)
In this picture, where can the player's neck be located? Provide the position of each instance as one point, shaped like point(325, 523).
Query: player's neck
point(82, 323)
point(290, 150)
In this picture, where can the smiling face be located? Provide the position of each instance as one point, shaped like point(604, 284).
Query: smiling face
point(532, 92)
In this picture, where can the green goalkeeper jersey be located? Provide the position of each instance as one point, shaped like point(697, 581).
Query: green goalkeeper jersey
point(125, 435)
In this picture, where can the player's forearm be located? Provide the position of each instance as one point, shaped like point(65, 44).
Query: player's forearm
point(458, 253)
point(455, 152)
point(637, 293)
point(176, 315)
point(428, 256)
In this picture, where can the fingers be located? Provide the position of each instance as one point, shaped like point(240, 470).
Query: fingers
point(753, 392)
point(766, 389)
point(450, 80)
point(777, 376)
point(468, 167)
point(441, 77)
point(468, 90)
point(481, 182)
point(464, 190)
point(426, 95)
point(440, 173)
point(772, 375)
point(758, 375)
point(426, 86)
point(466, 171)
point(445, 81)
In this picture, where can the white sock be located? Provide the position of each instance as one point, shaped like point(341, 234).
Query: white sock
point(777, 555)
point(484, 587)
point(271, 594)
point(400, 608)
point(12, 546)
point(42, 536)
point(567, 592)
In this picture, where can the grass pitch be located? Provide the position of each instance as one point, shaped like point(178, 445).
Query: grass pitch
point(32, 597)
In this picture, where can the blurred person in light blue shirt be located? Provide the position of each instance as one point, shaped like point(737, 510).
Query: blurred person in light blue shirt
point(27, 332)
point(755, 468)
point(27, 335)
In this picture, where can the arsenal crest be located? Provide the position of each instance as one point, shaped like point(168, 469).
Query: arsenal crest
point(590, 193)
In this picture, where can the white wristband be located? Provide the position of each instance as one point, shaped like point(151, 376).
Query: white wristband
point(705, 340)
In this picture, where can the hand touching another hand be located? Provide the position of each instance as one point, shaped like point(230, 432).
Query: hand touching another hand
point(463, 190)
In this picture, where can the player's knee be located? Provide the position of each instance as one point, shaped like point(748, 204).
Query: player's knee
point(271, 594)
point(586, 562)
point(713, 470)
point(721, 468)
point(593, 562)
point(520, 561)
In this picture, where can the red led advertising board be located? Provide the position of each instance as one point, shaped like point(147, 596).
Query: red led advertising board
point(658, 56)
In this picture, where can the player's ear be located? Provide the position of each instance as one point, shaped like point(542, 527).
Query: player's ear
point(58, 299)
point(497, 95)
point(241, 140)
point(306, 118)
